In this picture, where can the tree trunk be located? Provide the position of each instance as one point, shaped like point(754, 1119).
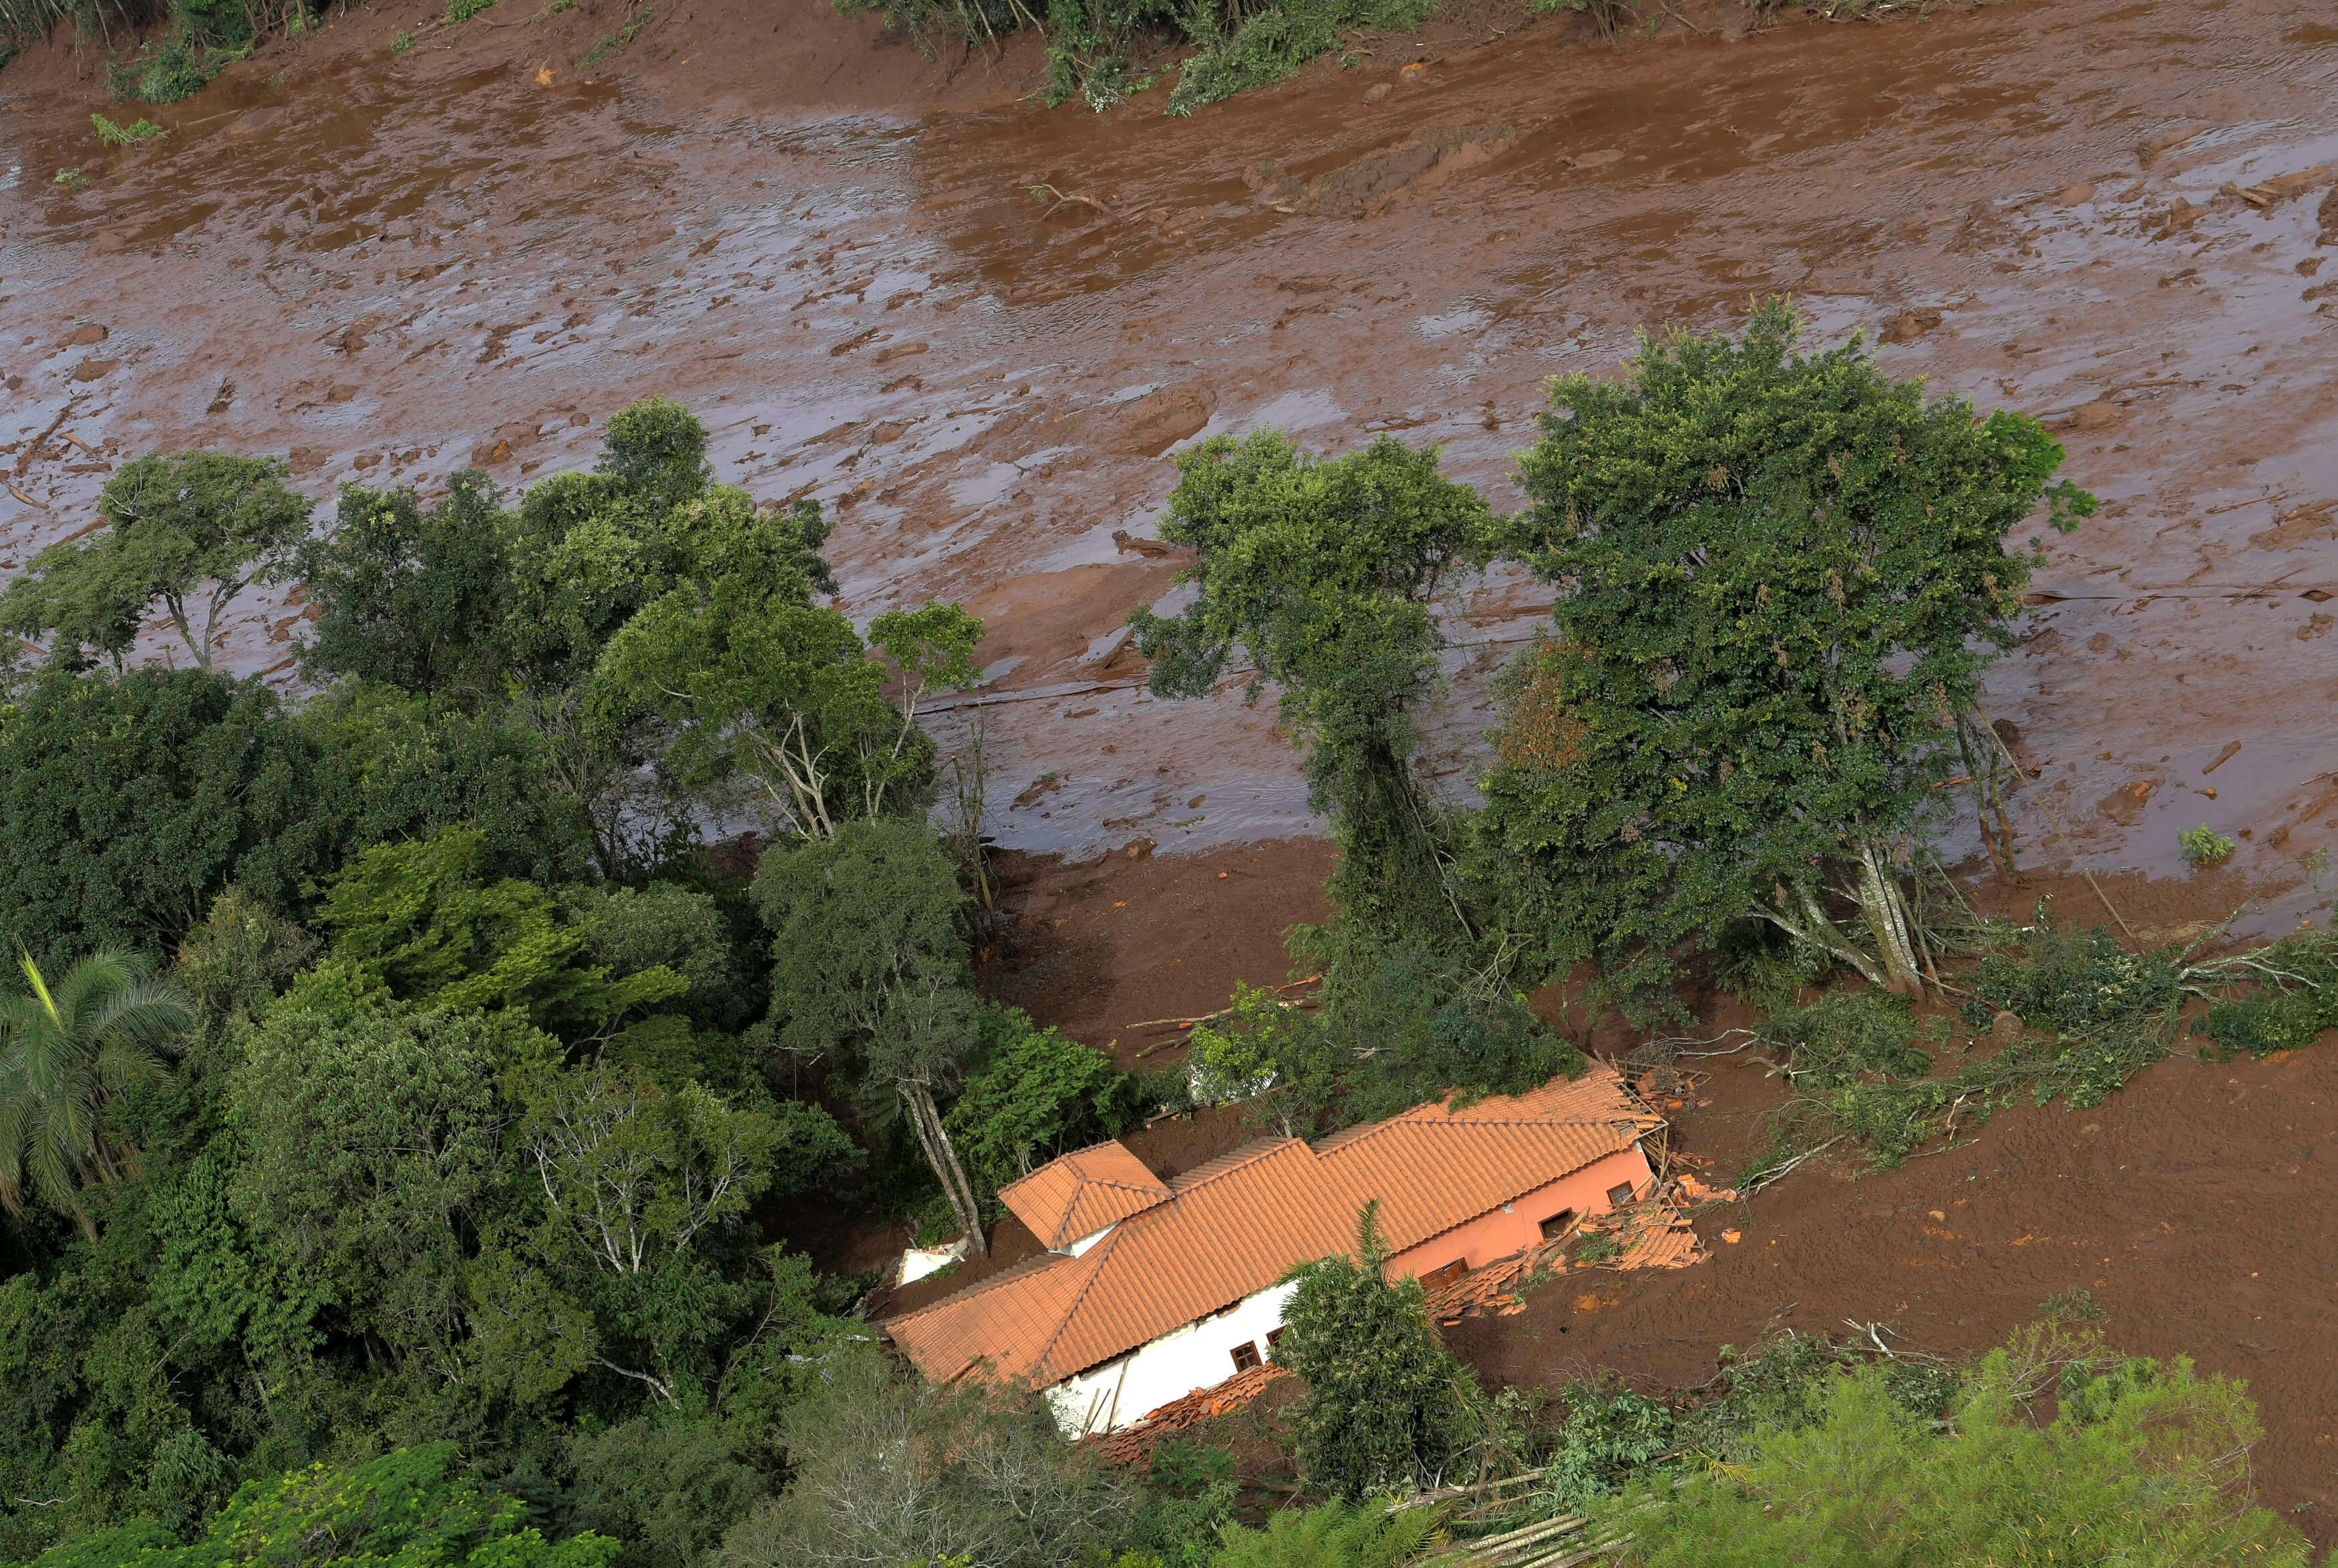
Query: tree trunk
point(934, 1140)
point(1886, 909)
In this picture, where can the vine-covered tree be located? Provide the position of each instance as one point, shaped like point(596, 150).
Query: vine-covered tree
point(1321, 570)
point(1780, 579)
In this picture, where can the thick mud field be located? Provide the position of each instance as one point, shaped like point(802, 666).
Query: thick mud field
point(2109, 214)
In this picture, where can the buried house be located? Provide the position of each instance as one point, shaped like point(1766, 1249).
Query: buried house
point(1153, 1288)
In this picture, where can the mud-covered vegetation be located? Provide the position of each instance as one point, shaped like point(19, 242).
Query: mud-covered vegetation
point(1780, 577)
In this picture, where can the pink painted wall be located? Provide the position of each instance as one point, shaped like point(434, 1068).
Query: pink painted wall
point(1498, 1234)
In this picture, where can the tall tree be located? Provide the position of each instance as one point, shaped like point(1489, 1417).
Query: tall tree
point(1780, 578)
point(1323, 571)
point(63, 1054)
point(869, 966)
point(1387, 1405)
point(192, 531)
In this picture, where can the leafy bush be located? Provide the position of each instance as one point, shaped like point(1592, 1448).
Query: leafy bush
point(1334, 1534)
point(115, 135)
point(2204, 846)
point(1034, 1094)
point(1271, 43)
point(2142, 1463)
point(1608, 1434)
point(2293, 1002)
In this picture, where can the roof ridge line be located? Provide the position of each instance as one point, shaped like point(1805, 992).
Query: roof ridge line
point(1037, 1264)
point(1266, 1147)
point(1071, 1309)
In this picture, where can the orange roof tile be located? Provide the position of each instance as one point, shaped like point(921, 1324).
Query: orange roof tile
point(1081, 1193)
point(1240, 1223)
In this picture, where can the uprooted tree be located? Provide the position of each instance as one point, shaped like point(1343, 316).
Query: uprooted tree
point(1781, 577)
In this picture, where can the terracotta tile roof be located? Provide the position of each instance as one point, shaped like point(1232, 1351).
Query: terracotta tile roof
point(1081, 1193)
point(1241, 1222)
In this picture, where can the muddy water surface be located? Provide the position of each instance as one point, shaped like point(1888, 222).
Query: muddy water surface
point(2110, 215)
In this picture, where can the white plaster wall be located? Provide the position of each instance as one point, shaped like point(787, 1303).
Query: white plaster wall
point(1171, 1366)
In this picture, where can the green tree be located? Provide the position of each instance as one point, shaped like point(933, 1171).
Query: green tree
point(1323, 571)
point(410, 1508)
point(1387, 1405)
point(192, 531)
point(761, 690)
point(410, 596)
point(417, 919)
point(868, 967)
point(2141, 1463)
point(372, 1150)
point(888, 1469)
point(1781, 578)
point(64, 1054)
point(126, 806)
point(1035, 1095)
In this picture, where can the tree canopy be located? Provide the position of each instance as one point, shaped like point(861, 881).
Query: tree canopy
point(1780, 577)
point(191, 531)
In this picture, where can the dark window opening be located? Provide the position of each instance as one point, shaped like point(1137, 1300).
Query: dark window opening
point(1437, 1279)
point(1273, 1337)
point(1246, 1356)
point(1620, 1195)
point(1558, 1225)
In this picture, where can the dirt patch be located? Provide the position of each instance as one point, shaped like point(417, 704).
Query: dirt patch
point(1054, 626)
point(1158, 420)
point(2191, 1205)
point(1096, 947)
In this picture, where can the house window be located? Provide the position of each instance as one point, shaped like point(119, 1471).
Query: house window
point(1437, 1278)
point(1558, 1225)
point(1620, 1195)
point(1245, 1355)
point(1273, 1337)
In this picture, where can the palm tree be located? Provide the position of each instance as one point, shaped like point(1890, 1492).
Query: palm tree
point(61, 1056)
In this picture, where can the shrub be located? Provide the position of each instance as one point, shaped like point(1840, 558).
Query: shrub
point(1335, 1534)
point(1387, 1405)
point(2142, 1463)
point(2204, 846)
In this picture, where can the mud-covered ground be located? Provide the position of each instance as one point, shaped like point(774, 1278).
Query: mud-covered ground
point(388, 267)
point(2116, 216)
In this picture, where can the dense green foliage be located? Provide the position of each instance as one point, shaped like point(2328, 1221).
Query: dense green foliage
point(1387, 1406)
point(1781, 576)
point(2140, 1464)
point(411, 1508)
point(386, 1124)
point(128, 804)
